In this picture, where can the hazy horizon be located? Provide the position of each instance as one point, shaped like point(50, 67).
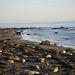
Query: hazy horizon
point(36, 11)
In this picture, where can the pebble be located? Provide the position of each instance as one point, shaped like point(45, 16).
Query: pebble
point(17, 58)
point(37, 67)
point(42, 60)
point(10, 61)
point(56, 69)
point(23, 60)
point(0, 51)
point(48, 56)
point(71, 54)
point(34, 72)
point(63, 51)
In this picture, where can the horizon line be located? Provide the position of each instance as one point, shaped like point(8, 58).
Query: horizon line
point(36, 22)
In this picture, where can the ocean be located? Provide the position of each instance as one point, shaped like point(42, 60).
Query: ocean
point(62, 33)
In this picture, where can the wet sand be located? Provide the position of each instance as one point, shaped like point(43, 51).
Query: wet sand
point(24, 57)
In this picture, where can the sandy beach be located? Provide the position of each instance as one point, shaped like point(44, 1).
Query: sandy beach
point(25, 57)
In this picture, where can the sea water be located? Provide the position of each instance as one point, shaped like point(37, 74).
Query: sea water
point(44, 31)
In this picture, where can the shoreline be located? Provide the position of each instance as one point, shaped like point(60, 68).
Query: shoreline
point(19, 55)
point(12, 34)
point(57, 42)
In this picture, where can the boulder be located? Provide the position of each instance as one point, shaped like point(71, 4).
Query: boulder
point(45, 43)
point(18, 33)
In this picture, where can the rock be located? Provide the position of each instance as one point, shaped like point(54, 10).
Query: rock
point(32, 67)
point(69, 52)
point(5, 41)
point(23, 60)
point(10, 61)
point(18, 33)
point(38, 68)
point(63, 51)
point(56, 69)
point(17, 58)
point(4, 57)
point(48, 56)
point(2, 62)
point(60, 28)
point(45, 43)
point(56, 32)
point(28, 34)
point(25, 56)
point(42, 60)
point(0, 51)
point(35, 72)
point(17, 45)
point(10, 57)
point(33, 47)
point(55, 44)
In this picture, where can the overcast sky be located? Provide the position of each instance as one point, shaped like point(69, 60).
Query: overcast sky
point(18, 11)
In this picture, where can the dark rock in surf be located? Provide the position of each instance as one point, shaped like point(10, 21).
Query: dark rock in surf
point(56, 32)
point(28, 34)
point(60, 28)
point(18, 33)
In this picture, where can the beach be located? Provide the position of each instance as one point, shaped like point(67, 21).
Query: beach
point(61, 33)
point(37, 37)
point(25, 57)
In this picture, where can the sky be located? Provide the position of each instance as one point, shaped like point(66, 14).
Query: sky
point(27, 11)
